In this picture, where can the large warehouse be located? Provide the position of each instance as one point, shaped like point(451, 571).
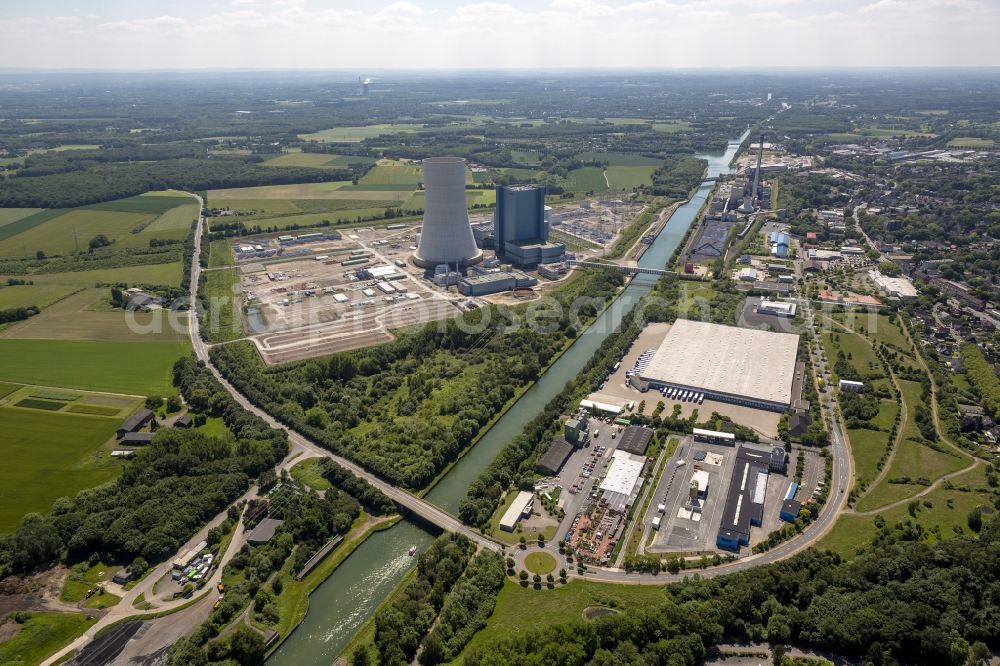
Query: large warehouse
point(742, 366)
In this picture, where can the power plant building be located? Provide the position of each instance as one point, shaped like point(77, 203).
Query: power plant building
point(520, 230)
point(740, 366)
point(446, 236)
point(492, 283)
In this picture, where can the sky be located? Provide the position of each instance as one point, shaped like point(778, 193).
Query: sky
point(497, 34)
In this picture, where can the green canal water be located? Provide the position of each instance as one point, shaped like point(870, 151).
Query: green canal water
point(349, 597)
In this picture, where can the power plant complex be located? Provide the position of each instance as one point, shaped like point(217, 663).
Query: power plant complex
point(446, 236)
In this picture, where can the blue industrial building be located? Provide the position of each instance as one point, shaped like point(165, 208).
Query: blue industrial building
point(779, 244)
point(520, 232)
point(790, 507)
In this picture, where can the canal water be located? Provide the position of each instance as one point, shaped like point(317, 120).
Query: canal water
point(346, 599)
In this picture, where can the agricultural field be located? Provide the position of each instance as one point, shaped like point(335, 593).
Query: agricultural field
point(359, 133)
point(521, 610)
point(23, 295)
point(629, 177)
point(9, 215)
point(58, 445)
point(138, 368)
point(620, 159)
point(220, 254)
point(128, 223)
point(316, 160)
point(387, 172)
point(971, 142)
point(86, 315)
point(585, 179)
point(481, 197)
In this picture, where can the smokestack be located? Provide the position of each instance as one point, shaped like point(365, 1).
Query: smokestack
point(446, 236)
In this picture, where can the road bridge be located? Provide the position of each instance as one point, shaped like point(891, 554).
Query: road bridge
point(627, 270)
point(407, 500)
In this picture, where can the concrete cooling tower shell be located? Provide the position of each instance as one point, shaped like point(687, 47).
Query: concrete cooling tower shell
point(446, 236)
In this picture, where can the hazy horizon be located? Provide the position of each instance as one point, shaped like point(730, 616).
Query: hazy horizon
point(417, 35)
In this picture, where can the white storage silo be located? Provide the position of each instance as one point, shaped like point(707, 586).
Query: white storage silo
point(446, 236)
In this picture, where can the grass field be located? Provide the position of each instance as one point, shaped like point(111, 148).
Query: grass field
point(8, 215)
point(867, 448)
point(521, 610)
point(540, 563)
point(223, 319)
point(629, 177)
point(948, 512)
point(481, 197)
point(129, 222)
point(140, 368)
point(859, 352)
point(971, 142)
point(620, 159)
point(41, 635)
point(308, 473)
point(316, 160)
point(220, 253)
point(24, 295)
point(586, 179)
point(387, 172)
point(358, 133)
point(85, 316)
point(58, 455)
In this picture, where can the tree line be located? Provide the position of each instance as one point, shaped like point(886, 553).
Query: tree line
point(902, 601)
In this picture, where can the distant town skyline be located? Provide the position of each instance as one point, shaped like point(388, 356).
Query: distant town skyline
point(449, 34)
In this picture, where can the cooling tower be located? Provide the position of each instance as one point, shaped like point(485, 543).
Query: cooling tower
point(446, 237)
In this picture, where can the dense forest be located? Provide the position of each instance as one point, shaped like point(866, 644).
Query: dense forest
point(107, 181)
point(406, 409)
point(169, 490)
point(401, 624)
point(902, 602)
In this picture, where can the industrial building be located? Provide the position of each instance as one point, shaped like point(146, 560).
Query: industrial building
point(520, 230)
point(713, 436)
point(740, 366)
point(521, 508)
point(779, 244)
point(776, 308)
point(745, 501)
point(624, 479)
point(790, 506)
point(635, 439)
point(491, 283)
point(894, 287)
point(555, 456)
point(446, 236)
point(264, 531)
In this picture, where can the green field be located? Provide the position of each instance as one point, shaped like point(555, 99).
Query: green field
point(128, 222)
point(948, 512)
point(57, 454)
point(223, 320)
point(8, 215)
point(220, 254)
point(586, 179)
point(42, 295)
point(971, 142)
point(308, 473)
point(316, 160)
point(522, 610)
point(394, 173)
point(140, 368)
point(481, 197)
point(629, 177)
point(867, 448)
point(620, 159)
point(41, 635)
point(358, 133)
point(540, 563)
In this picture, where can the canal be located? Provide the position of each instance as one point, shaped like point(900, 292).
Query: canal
point(346, 599)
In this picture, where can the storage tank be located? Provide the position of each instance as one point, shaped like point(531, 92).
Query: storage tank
point(446, 236)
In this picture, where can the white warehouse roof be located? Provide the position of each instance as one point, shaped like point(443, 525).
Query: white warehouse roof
point(621, 484)
point(735, 361)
